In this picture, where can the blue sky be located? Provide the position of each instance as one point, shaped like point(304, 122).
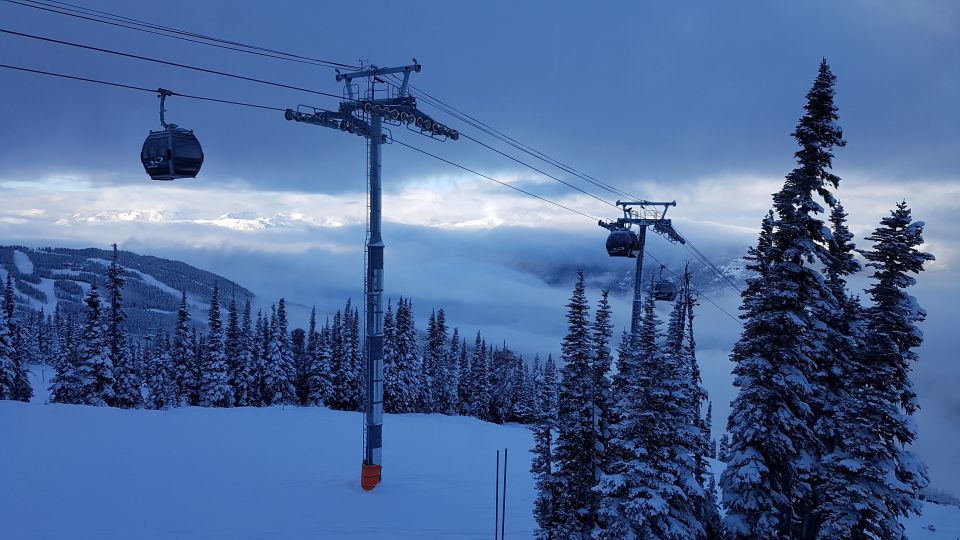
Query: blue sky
point(693, 102)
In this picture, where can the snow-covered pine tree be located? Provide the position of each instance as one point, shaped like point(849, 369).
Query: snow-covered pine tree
point(358, 372)
point(198, 348)
point(452, 374)
point(437, 361)
point(840, 343)
point(231, 343)
point(316, 380)
point(160, 378)
point(575, 452)
point(94, 368)
point(479, 381)
point(215, 389)
point(245, 385)
point(65, 384)
point(601, 332)
point(402, 389)
point(127, 381)
point(723, 448)
point(298, 343)
point(542, 466)
point(873, 480)
point(259, 362)
point(502, 383)
point(182, 356)
point(709, 513)
point(621, 509)
point(464, 384)
point(766, 486)
point(339, 367)
point(321, 389)
point(525, 407)
point(279, 370)
point(8, 364)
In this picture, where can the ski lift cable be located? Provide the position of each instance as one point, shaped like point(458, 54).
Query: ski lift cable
point(503, 137)
point(140, 88)
point(161, 33)
point(168, 63)
point(504, 154)
point(66, 8)
point(257, 106)
point(521, 190)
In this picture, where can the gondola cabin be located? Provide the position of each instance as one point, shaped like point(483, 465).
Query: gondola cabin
point(622, 243)
point(171, 153)
point(665, 290)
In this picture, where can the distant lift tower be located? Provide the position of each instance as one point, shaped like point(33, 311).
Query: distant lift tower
point(365, 115)
point(624, 242)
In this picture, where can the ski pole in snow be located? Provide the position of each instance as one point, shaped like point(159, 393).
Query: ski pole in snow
point(496, 498)
point(503, 513)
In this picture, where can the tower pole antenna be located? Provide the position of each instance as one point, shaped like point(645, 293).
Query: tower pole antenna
point(366, 116)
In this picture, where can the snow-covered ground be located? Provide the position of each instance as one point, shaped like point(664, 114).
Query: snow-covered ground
point(77, 472)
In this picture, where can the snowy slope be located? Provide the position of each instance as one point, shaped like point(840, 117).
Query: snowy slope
point(76, 472)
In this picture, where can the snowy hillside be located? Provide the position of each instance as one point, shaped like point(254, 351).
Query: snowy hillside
point(78, 472)
point(46, 277)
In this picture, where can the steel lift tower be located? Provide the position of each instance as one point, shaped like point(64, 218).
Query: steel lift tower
point(365, 115)
point(624, 242)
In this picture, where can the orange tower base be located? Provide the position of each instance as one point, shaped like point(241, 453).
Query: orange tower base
point(369, 476)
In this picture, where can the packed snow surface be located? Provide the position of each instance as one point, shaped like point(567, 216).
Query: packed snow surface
point(23, 262)
point(78, 472)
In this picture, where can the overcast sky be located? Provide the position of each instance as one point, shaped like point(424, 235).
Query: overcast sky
point(692, 102)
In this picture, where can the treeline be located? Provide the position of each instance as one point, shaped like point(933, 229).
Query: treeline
point(625, 456)
point(14, 337)
point(251, 360)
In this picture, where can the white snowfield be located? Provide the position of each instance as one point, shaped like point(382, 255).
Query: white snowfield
point(77, 472)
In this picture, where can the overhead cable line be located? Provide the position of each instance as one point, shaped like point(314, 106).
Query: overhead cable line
point(67, 8)
point(464, 135)
point(168, 63)
point(525, 192)
point(161, 33)
point(140, 88)
point(499, 135)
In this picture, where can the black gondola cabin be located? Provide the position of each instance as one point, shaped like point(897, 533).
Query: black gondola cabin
point(622, 243)
point(171, 153)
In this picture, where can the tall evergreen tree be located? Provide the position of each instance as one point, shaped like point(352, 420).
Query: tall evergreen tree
point(451, 390)
point(160, 379)
point(8, 364)
point(182, 355)
point(766, 486)
point(402, 389)
point(601, 333)
point(479, 381)
point(65, 385)
point(872, 479)
point(246, 390)
point(576, 446)
point(94, 368)
point(545, 508)
point(318, 378)
point(278, 379)
point(215, 389)
point(127, 380)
